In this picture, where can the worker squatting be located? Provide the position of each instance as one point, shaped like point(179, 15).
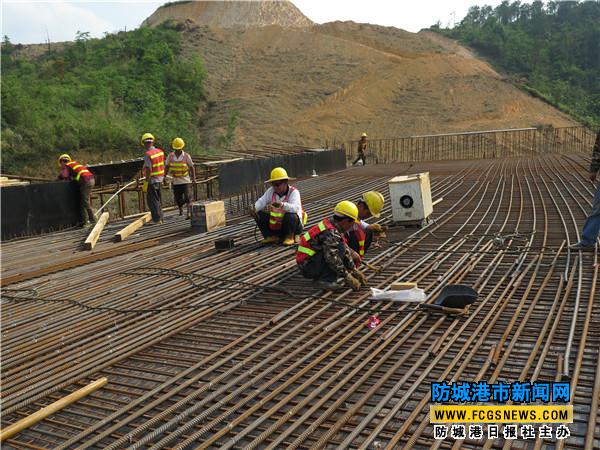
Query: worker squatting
point(331, 251)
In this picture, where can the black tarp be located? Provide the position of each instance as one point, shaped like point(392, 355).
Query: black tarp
point(111, 173)
point(236, 175)
point(35, 208)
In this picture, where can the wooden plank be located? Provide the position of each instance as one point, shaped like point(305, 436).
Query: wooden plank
point(133, 227)
point(92, 238)
point(75, 262)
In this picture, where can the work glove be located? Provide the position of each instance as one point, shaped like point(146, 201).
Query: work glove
point(352, 282)
point(145, 186)
point(355, 257)
point(276, 205)
point(360, 277)
point(376, 228)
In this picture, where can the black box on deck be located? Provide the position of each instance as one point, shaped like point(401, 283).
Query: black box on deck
point(224, 244)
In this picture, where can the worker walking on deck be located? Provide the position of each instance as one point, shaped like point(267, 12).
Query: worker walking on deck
point(154, 172)
point(180, 168)
point(323, 254)
point(279, 211)
point(361, 150)
point(360, 236)
point(72, 170)
point(591, 228)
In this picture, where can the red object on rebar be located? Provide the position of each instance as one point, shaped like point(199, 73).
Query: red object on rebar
point(373, 322)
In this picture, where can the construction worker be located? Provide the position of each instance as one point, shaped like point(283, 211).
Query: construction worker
point(361, 234)
point(154, 172)
point(591, 228)
point(72, 170)
point(362, 149)
point(279, 211)
point(323, 254)
point(179, 167)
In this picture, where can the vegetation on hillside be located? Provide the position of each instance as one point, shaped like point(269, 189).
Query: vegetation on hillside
point(97, 96)
point(552, 50)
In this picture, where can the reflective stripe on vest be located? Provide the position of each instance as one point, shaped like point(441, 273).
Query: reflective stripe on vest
point(276, 214)
point(304, 249)
point(78, 169)
point(157, 161)
point(360, 237)
point(178, 169)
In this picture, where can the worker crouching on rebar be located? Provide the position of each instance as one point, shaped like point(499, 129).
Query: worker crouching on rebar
point(360, 236)
point(323, 254)
point(279, 213)
point(72, 170)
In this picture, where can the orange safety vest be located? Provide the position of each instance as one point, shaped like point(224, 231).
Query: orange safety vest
point(78, 170)
point(276, 214)
point(304, 250)
point(360, 237)
point(157, 162)
point(178, 169)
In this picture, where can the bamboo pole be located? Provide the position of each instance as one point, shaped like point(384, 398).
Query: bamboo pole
point(34, 418)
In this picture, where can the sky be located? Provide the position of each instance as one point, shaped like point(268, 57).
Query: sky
point(30, 22)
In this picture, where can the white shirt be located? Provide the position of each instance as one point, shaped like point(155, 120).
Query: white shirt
point(292, 205)
point(363, 224)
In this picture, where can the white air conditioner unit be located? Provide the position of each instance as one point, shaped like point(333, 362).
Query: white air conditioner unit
point(411, 198)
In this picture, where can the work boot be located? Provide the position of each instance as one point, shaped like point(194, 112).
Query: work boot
point(270, 240)
point(328, 285)
point(289, 240)
point(180, 211)
point(581, 246)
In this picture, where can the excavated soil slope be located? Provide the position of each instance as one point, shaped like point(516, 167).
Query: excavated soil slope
point(307, 85)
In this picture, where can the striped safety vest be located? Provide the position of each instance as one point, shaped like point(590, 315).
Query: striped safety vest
point(276, 214)
point(360, 237)
point(178, 169)
point(157, 161)
point(304, 250)
point(78, 170)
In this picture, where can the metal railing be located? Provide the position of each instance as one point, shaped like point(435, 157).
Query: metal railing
point(475, 145)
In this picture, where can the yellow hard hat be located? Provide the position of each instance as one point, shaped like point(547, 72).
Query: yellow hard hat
point(147, 137)
point(374, 201)
point(177, 143)
point(63, 156)
point(346, 208)
point(364, 134)
point(278, 173)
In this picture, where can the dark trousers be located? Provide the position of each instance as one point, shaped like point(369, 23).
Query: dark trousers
point(290, 225)
point(317, 269)
point(85, 193)
point(181, 192)
point(153, 199)
point(353, 241)
point(361, 156)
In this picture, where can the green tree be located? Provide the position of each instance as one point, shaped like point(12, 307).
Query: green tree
point(554, 47)
point(96, 96)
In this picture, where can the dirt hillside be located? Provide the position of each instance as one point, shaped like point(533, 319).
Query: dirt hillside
point(230, 13)
point(294, 83)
